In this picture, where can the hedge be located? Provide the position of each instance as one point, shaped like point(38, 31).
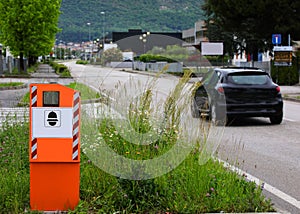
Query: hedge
point(154, 58)
point(287, 75)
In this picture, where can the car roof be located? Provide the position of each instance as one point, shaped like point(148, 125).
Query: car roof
point(239, 69)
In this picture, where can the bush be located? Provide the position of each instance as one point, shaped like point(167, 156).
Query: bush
point(286, 75)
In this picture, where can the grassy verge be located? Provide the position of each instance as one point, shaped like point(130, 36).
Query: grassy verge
point(11, 84)
point(292, 96)
point(190, 188)
point(85, 91)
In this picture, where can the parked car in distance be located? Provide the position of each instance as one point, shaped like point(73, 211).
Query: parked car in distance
point(231, 92)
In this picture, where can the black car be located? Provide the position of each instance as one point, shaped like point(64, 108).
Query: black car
point(230, 92)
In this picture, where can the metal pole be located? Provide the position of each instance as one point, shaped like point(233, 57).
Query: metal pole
point(103, 28)
point(89, 24)
point(60, 49)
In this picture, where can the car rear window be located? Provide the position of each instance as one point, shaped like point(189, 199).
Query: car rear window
point(248, 79)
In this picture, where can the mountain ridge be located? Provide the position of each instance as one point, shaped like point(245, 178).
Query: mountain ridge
point(155, 15)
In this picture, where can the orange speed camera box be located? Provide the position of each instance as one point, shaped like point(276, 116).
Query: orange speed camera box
point(54, 147)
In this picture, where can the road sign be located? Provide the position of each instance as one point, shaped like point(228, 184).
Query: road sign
point(212, 48)
point(276, 39)
point(283, 55)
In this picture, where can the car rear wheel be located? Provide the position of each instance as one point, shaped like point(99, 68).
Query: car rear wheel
point(276, 119)
point(194, 109)
point(217, 117)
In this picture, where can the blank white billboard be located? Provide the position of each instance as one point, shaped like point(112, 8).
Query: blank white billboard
point(211, 48)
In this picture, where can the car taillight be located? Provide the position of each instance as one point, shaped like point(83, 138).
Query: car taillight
point(221, 90)
point(278, 89)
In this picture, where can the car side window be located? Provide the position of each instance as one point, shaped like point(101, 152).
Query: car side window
point(222, 80)
point(215, 78)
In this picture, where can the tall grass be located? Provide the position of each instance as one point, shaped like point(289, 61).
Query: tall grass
point(14, 168)
point(189, 187)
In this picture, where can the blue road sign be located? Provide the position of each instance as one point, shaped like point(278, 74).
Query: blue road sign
point(276, 39)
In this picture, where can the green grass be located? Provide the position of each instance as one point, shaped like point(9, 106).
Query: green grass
point(190, 188)
point(85, 91)
point(14, 168)
point(10, 84)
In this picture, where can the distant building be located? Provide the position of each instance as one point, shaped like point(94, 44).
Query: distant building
point(140, 42)
point(194, 36)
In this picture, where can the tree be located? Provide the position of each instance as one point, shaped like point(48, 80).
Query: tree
point(29, 27)
point(112, 54)
point(249, 25)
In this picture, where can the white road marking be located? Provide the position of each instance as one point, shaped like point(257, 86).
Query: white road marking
point(290, 120)
point(285, 197)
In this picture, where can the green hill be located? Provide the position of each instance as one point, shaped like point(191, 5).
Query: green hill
point(121, 15)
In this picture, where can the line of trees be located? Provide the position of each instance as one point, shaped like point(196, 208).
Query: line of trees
point(248, 25)
point(29, 27)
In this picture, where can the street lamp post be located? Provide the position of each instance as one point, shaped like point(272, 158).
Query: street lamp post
point(60, 47)
point(144, 40)
point(103, 27)
point(89, 24)
point(98, 47)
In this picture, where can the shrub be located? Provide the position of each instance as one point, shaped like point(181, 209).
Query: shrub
point(60, 69)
